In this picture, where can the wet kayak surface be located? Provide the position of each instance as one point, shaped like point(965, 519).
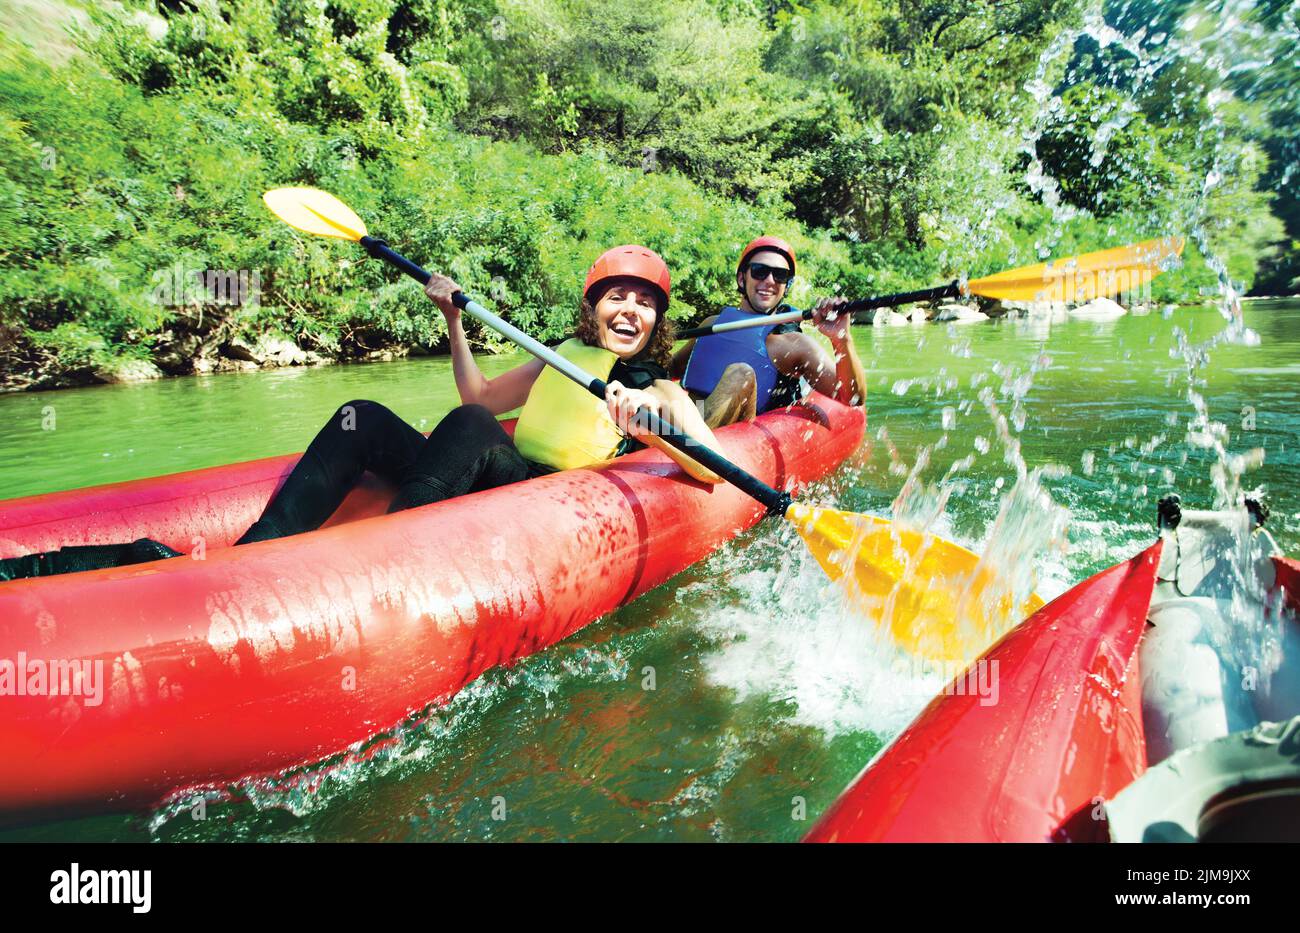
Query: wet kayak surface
point(736, 701)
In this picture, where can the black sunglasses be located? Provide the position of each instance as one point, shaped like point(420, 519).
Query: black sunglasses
point(759, 271)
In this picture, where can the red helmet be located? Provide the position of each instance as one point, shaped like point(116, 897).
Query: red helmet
point(636, 262)
point(774, 243)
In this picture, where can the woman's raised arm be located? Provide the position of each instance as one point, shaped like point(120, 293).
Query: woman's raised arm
point(499, 395)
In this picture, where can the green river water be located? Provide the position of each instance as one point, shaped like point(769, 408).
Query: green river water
point(769, 694)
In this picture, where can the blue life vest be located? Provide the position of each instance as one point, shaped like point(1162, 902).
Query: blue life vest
point(714, 353)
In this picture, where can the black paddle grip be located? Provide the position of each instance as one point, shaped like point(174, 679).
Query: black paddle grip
point(776, 500)
point(951, 290)
point(381, 250)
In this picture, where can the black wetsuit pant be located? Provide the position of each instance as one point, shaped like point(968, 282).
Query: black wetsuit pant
point(466, 452)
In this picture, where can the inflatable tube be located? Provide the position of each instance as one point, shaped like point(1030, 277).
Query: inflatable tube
point(1288, 580)
point(258, 658)
point(1243, 787)
point(1202, 678)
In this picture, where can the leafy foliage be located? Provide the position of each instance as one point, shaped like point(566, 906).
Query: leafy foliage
point(896, 143)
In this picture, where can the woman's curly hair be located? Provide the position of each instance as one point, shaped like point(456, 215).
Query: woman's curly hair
point(658, 349)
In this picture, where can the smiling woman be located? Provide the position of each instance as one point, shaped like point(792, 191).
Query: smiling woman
point(595, 327)
point(627, 313)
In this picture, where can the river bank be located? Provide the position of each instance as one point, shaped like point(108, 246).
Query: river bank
point(189, 348)
point(187, 351)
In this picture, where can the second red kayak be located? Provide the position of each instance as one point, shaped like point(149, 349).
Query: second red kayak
point(1130, 667)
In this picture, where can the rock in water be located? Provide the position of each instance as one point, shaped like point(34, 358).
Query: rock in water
point(128, 370)
point(279, 351)
point(955, 313)
point(1099, 309)
point(886, 317)
point(267, 350)
point(1045, 309)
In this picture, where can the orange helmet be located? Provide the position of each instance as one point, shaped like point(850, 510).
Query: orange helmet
point(630, 261)
point(774, 243)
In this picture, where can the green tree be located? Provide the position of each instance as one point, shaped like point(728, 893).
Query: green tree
point(670, 85)
point(910, 81)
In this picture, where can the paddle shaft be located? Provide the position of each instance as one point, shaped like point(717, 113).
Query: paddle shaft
point(951, 290)
point(776, 501)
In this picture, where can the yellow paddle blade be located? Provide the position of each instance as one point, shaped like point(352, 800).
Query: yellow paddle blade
point(314, 211)
point(934, 599)
point(1102, 274)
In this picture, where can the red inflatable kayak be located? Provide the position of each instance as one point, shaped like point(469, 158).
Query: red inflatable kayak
point(1069, 724)
point(253, 659)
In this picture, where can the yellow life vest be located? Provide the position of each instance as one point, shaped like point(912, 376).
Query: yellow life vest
point(562, 424)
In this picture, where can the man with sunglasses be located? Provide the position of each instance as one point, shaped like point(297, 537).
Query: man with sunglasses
point(737, 374)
